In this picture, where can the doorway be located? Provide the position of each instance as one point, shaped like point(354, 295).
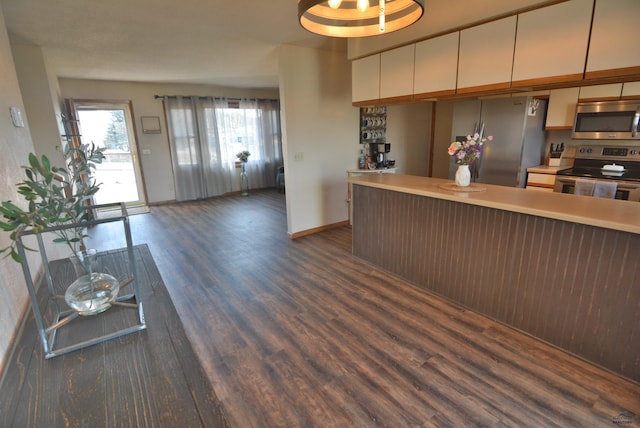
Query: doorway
point(109, 125)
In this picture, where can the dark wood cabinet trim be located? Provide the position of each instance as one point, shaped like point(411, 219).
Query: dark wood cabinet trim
point(435, 94)
point(403, 99)
point(485, 89)
point(365, 103)
point(548, 81)
point(627, 72)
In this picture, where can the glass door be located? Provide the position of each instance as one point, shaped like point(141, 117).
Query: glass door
point(110, 126)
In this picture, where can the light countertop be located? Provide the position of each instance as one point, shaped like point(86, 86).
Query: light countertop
point(372, 171)
point(546, 169)
point(606, 213)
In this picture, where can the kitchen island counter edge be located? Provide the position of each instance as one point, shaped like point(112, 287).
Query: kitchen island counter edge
point(606, 213)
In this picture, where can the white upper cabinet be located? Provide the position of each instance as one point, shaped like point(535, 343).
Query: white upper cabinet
point(486, 56)
point(551, 43)
point(613, 50)
point(365, 79)
point(561, 110)
point(608, 92)
point(436, 70)
point(631, 90)
point(396, 72)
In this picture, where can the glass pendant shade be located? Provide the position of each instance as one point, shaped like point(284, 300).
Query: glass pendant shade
point(343, 18)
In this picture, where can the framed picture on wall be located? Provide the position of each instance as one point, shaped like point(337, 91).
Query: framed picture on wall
point(150, 124)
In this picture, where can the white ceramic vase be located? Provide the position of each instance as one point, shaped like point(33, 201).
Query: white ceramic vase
point(463, 176)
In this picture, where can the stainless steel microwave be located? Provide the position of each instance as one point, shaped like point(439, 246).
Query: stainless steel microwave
point(607, 120)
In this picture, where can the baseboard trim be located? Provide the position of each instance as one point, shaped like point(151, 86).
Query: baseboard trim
point(161, 203)
point(318, 229)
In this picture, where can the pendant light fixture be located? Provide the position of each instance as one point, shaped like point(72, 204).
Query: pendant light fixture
point(358, 18)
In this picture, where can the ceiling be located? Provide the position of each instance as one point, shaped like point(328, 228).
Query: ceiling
point(225, 43)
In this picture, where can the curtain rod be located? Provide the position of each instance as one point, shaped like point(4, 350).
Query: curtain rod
point(215, 98)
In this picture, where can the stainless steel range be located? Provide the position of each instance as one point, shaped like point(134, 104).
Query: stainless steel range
point(614, 170)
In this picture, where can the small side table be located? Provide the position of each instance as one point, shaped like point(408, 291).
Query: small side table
point(61, 329)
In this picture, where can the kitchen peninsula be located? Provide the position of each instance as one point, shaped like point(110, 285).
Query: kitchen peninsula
point(560, 267)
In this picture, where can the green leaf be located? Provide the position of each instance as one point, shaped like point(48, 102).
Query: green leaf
point(45, 163)
point(15, 256)
point(33, 161)
point(7, 227)
point(9, 206)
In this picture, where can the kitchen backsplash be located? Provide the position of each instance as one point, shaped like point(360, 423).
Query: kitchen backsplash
point(559, 137)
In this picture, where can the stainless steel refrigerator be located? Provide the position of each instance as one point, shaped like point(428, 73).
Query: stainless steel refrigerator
point(517, 127)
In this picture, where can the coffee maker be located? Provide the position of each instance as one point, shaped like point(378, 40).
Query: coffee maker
point(381, 151)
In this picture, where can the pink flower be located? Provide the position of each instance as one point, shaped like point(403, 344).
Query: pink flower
point(466, 152)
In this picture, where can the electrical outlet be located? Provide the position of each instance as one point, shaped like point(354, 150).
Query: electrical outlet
point(298, 156)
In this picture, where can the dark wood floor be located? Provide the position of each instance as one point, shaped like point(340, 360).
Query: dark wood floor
point(300, 333)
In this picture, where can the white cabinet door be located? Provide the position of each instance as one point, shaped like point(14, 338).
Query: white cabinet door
point(365, 79)
point(538, 181)
point(601, 92)
point(551, 43)
point(613, 47)
point(436, 69)
point(631, 90)
point(561, 110)
point(396, 72)
point(486, 56)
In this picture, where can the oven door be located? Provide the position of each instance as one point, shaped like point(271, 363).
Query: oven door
point(626, 190)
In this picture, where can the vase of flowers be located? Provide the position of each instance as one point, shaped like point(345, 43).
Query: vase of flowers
point(243, 158)
point(58, 197)
point(465, 153)
point(55, 197)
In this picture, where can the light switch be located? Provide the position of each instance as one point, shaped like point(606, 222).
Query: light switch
point(16, 117)
point(146, 151)
point(298, 156)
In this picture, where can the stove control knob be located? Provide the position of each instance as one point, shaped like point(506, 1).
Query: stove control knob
point(582, 150)
point(589, 150)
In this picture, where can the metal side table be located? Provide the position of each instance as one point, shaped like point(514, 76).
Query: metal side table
point(60, 328)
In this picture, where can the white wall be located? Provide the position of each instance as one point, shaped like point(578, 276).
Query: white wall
point(320, 133)
point(15, 144)
point(156, 166)
point(41, 101)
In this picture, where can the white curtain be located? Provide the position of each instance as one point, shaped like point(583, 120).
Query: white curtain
point(206, 133)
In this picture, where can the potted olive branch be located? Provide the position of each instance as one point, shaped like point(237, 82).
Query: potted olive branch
point(56, 196)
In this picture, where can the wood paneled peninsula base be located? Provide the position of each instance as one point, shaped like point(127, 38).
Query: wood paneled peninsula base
point(560, 267)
